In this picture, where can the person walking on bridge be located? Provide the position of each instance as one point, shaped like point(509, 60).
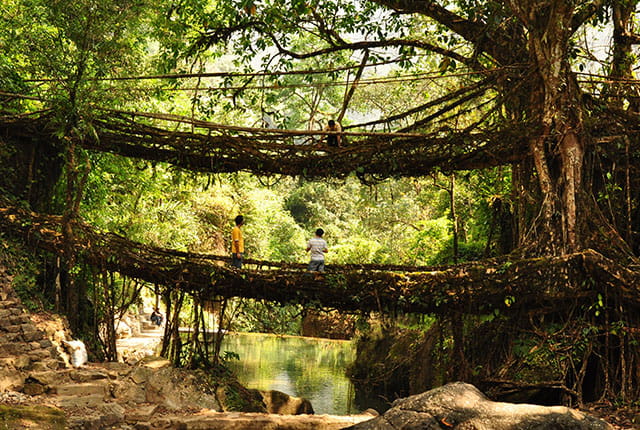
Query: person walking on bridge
point(237, 243)
point(318, 247)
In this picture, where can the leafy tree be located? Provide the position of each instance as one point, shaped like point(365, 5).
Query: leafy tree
point(520, 62)
point(477, 67)
point(65, 49)
point(535, 42)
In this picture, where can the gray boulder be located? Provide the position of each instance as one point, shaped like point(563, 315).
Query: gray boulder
point(461, 406)
point(281, 403)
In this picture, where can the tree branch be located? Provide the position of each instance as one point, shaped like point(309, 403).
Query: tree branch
point(347, 97)
point(444, 110)
point(632, 38)
point(498, 44)
point(326, 30)
point(484, 83)
point(365, 45)
point(223, 34)
point(585, 14)
point(470, 30)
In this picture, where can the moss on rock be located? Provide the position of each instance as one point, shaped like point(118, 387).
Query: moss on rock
point(42, 417)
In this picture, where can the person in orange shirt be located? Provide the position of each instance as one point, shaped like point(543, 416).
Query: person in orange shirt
point(237, 243)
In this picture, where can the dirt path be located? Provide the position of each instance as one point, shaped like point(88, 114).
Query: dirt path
point(145, 344)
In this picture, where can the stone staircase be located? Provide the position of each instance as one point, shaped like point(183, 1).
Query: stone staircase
point(85, 394)
point(147, 395)
point(23, 346)
point(64, 382)
point(143, 344)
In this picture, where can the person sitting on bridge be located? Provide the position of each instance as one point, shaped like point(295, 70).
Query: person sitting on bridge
point(156, 317)
point(333, 139)
point(318, 247)
point(237, 243)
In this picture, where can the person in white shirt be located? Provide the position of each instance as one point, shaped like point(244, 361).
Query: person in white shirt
point(317, 246)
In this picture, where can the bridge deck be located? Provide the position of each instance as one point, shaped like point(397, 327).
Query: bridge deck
point(206, 147)
point(471, 288)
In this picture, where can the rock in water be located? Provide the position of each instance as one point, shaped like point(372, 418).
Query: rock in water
point(281, 403)
point(462, 406)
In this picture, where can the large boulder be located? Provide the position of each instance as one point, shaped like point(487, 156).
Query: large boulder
point(281, 403)
point(169, 387)
point(462, 406)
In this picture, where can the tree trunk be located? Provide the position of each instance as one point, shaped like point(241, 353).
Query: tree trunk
point(624, 96)
point(454, 216)
point(111, 353)
point(72, 302)
point(558, 149)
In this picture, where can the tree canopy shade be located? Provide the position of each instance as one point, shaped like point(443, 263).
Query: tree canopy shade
point(519, 100)
point(546, 93)
point(521, 89)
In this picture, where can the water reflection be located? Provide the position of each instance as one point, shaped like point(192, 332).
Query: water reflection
point(303, 367)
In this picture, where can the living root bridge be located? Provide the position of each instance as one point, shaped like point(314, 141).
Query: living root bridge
point(214, 148)
point(473, 288)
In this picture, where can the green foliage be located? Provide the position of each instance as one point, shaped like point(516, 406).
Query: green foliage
point(431, 239)
point(26, 271)
point(270, 231)
point(44, 417)
point(155, 205)
point(537, 361)
point(290, 21)
point(67, 47)
point(395, 222)
point(467, 251)
point(357, 250)
point(415, 321)
point(265, 317)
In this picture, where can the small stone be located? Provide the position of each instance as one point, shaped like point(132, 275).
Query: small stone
point(112, 413)
point(141, 413)
point(22, 362)
point(33, 336)
point(162, 423)
point(12, 328)
point(33, 389)
point(39, 354)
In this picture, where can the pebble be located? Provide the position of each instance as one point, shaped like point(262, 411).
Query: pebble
point(13, 398)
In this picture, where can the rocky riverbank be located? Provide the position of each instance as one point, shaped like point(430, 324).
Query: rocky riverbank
point(149, 395)
point(39, 389)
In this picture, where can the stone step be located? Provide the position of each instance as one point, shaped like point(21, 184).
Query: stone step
point(71, 376)
point(91, 375)
point(84, 389)
point(148, 326)
point(141, 413)
point(91, 401)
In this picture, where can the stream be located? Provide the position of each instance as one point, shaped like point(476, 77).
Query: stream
point(312, 368)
